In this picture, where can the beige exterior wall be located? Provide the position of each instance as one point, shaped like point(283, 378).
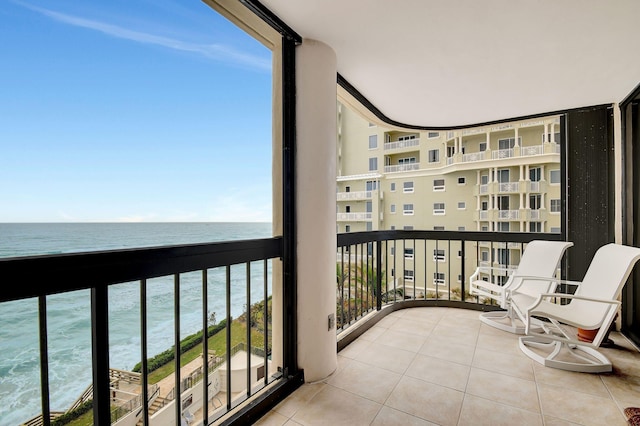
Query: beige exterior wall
point(490, 178)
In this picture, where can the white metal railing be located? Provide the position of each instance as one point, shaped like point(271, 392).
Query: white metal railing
point(531, 150)
point(534, 215)
point(484, 189)
point(402, 168)
point(534, 186)
point(357, 195)
point(354, 217)
point(474, 156)
point(509, 186)
point(557, 149)
point(484, 215)
point(502, 153)
point(508, 214)
point(401, 144)
point(449, 161)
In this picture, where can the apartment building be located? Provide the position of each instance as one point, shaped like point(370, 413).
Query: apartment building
point(501, 178)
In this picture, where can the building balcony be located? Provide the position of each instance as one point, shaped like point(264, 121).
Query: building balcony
point(355, 196)
point(402, 168)
point(354, 217)
point(399, 145)
point(515, 187)
point(439, 365)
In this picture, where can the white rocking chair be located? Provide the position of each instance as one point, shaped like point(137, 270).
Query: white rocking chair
point(592, 307)
point(541, 259)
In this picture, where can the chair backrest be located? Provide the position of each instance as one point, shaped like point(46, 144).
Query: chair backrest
point(606, 276)
point(539, 259)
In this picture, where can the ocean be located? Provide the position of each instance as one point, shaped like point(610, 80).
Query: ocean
point(68, 315)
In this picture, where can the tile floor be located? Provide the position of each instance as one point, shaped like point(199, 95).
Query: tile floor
point(442, 366)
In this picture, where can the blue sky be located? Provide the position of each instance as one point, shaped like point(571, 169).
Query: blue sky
point(131, 110)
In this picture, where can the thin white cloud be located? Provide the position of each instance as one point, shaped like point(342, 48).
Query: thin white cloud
point(214, 51)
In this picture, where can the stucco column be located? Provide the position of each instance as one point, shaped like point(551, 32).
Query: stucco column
point(316, 207)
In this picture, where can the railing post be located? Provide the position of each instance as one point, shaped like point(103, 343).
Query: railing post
point(462, 272)
point(100, 354)
point(378, 275)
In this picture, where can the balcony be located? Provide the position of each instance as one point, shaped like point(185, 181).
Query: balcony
point(354, 196)
point(402, 168)
point(438, 365)
point(409, 143)
point(354, 217)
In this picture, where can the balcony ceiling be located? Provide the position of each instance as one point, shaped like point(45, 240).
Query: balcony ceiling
point(444, 63)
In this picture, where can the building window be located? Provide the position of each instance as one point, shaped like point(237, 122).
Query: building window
point(372, 185)
point(407, 187)
point(347, 209)
point(484, 255)
point(535, 174)
point(408, 227)
point(408, 275)
point(393, 251)
point(462, 205)
point(483, 146)
point(372, 125)
point(406, 137)
point(392, 208)
point(373, 164)
point(373, 141)
point(347, 189)
point(459, 254)
point(347, 228)
point(432, 135)
point(535, 226)
point(438, 184)
point(369, 228)
point(438, 208)
point(434, 156)
point(438, 228)
point(408, 253)
point(555, 206)
point(393, 187)
point(502, 227)
point(484, 206)
point(508, 143)
point(484, 228)
point(461, 228)
point(438, 255)
point(535, 201)
point(459, 278)
point(408, 160)
point(462, 181)
point(438, 277)
point(555, 230)
point(554, 176)
point(484, 179)
point(407, 209)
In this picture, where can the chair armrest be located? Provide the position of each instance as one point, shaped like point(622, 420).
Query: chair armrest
point(527, 278)
point(569, 296)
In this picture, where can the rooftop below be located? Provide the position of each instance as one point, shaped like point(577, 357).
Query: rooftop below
point(442, 366)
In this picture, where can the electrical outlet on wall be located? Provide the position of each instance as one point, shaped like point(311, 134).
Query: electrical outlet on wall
point(332, 321)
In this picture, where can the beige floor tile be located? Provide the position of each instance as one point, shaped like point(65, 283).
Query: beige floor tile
point(390, 417)
point(273, 418)
point(418, 327)
point(401, 339)
point(552, 421)
point(487, 329)
point(505, 343)
point(372, 334)
point(518, 366)
point(465, 322)
point(439, 371)
point(386, 357)
point(581, 382)
point(448, 349)
point(334, 406)
point(578, 407)
point(364, 380)
point(355, 348)
point(292, 423)
point(388, 321)
point(483, 412)
point(298, 399)
point(428, 401)
point(503, 389)
point(468, 336)
point(623, 388)
point(425, 314)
